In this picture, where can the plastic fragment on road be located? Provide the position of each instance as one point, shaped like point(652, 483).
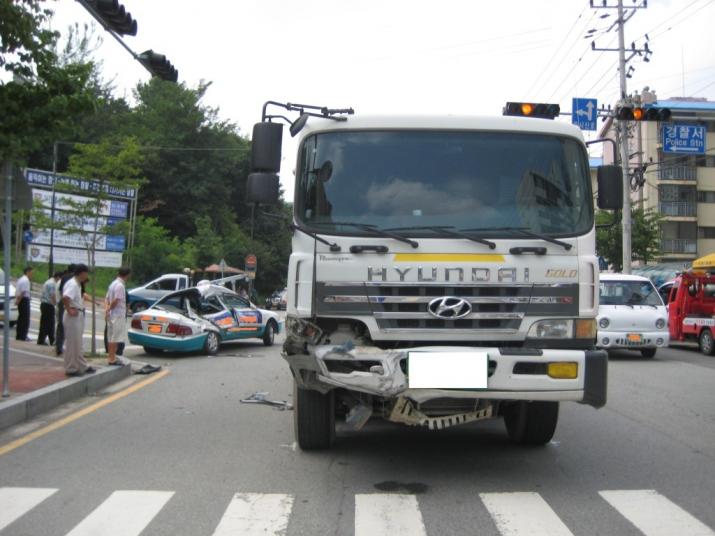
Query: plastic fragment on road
point(261, 398)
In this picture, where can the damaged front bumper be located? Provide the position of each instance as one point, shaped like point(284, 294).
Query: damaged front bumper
point(513, 373)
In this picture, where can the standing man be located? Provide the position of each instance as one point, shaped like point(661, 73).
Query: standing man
point(60, 339)
point(22, 300)
point(75, 363)
point(47, 310)
point(116, 316)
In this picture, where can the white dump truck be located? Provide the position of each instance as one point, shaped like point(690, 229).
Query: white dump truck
point(443, 269)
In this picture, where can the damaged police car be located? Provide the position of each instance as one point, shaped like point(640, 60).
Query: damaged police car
point(200, 319)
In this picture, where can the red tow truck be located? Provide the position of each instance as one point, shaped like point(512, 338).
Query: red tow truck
point(691, 309)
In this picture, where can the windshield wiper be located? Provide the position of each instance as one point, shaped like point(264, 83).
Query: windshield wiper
point(446, 230)
point(523, 232)
point(376, 231)
point(333, 246)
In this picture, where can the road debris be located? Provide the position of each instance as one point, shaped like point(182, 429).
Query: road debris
point(261, 398)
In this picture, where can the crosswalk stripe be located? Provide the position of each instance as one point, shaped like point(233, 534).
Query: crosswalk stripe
point(18, 501)
point(523, 513)
point(251, 514)
point(655, 515)
point(383, 514)
point(124, 513)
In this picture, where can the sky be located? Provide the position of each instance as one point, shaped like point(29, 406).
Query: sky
point(459, 57)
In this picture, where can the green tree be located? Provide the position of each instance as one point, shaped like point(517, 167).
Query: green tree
point(645, 237)
point(156, 252)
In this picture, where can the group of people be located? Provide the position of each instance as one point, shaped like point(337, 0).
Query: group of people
point(62, 307)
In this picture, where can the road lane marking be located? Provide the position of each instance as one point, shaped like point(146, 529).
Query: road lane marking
point(522, 514)
point(256, 513)
point(12, 445)
point(388, 514)
point(653, 514)
point(124, 513)
point(18, 501)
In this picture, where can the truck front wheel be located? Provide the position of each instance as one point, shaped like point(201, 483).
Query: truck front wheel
point(314, 418)
point(531, 423)
point(706, 342)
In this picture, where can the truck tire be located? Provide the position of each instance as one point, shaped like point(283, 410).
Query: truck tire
point(707, 346)
point(649, 352)
point(313, 418)
point(269, 334)
point(531, 423)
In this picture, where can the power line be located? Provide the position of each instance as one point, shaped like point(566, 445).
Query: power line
point(553, 56)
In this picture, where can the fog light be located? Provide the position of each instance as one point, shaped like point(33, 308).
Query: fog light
point(606, 341)
point(659, 342)
point(563, 371)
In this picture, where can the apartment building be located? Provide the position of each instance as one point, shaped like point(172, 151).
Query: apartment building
point(680, 186)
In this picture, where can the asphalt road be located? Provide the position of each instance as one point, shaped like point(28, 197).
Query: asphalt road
point(182, 456)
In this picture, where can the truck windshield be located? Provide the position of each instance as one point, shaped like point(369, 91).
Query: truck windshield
point(461, 179)
point(629, 293)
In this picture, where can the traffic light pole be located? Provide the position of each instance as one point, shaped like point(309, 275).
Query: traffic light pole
point(623, 131)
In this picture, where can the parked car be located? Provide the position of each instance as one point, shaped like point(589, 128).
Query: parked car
point(201, 318)
point(631, 315)
point(143, 297)
point(278, 300)
point(13, 305)
point(664, 291)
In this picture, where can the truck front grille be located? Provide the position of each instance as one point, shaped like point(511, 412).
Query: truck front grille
point(405, 307)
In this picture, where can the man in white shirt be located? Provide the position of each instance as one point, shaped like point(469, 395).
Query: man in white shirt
point(116, 316)
point(22, 300)
point(73, 321)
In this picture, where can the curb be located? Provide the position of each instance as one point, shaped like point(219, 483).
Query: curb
point(29, 405)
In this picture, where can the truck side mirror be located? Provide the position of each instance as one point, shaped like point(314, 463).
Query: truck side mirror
point(262, 188)
point(266, 147)
point(610, 187)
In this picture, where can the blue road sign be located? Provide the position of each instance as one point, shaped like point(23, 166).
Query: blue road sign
point(27, 236)
point(688, 139)
point(115, 243)
point(584, 113)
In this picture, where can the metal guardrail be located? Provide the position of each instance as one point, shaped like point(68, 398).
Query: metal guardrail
point(679, 245)
point(678, 208)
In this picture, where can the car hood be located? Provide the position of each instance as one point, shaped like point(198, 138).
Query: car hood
point(625, 317)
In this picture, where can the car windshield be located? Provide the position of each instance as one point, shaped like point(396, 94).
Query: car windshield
point(629, 293)
point(461, 179)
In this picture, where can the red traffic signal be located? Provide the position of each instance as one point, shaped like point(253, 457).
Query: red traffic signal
point(532, 109)
point(638, 113)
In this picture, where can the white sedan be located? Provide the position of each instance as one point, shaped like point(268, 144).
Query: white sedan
point(631, 315)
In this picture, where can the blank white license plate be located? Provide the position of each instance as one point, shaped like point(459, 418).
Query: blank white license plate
point(447, 370)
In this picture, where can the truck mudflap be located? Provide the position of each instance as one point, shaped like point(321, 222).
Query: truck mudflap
point(512, 375)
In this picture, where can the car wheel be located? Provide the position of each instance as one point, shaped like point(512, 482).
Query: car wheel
point(313, 418)
point(269, 334)
point(138, 307)
point(212, 343)
point(153, 351)
point(706, 342)
point(648, 352)
point(531, 423)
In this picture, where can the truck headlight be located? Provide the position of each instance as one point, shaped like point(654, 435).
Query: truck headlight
point(563, 328)
point(660, 323)
point(560, 328)
point(604, 323)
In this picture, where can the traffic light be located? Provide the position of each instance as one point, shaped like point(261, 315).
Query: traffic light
point(638, 113)
point(532, 109)
point(158, 65)
point(114, 16)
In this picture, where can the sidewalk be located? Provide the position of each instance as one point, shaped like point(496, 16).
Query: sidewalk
point(38, 382)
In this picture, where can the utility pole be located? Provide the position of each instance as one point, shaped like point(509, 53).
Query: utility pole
point(622, 125)
point(6, 245)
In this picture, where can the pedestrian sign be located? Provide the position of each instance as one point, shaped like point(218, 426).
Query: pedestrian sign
point(584, 113)
point(688, 139)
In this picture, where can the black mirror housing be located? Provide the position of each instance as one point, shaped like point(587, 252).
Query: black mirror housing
point(266, 147)
point(610, 187)
point(262, 188)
